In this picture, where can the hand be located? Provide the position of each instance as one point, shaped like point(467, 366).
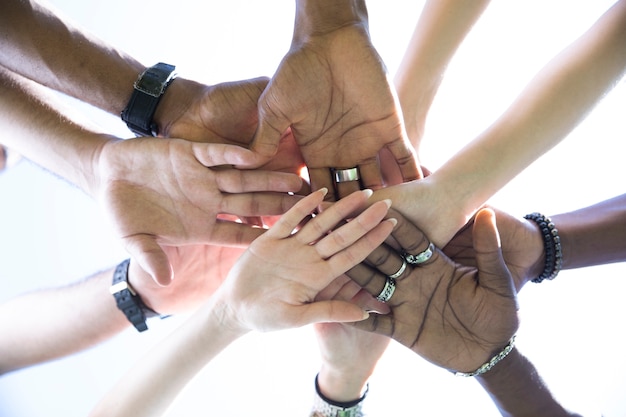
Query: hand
point(521, 242)
point(275, 282)
point(223, 113)
point(198, 270)
point(454, 316)
point(333, 91)
point(348, 355)
point(161, 193)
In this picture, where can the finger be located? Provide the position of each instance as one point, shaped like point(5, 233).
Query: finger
point(343, 189)
point(406, 158)
point(377, 323)
point(332, 216)
point(229, 233)
point(494, 273)
point(371, 177)
point(333, 311)
point(216, 154)
point(387, 261)
point(367, 302)
point(241, 181)
point(344, 236)
point(357, 252)
point(322, 178)
point(370, 279)
point(297, 214)
point(257, 204)
point(408, 236)
point(270, 128)
point(145, 250)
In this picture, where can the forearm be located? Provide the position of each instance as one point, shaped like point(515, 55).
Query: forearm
point(35, 124)
point(41, 45)
point(441, 28)
point(517, 390)
point(152, 385)
point(44, 325)
point(318, 17)
point(593, 235)
point(553, 103)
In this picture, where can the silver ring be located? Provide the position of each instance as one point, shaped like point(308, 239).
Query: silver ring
point(421, 257)
point(388, 290)
point(345, 175)
point(400, 271)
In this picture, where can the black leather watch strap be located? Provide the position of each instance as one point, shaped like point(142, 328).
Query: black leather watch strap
point(147, 92)
point(127, 300)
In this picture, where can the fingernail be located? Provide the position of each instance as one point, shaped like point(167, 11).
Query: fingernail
point(324, 191)
point(393, 221)
point(388, 202)
point(368, 193)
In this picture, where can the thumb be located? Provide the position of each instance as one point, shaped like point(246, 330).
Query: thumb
point(493, 272)
point(150, 258)
point(331, 311)
point(269, 130)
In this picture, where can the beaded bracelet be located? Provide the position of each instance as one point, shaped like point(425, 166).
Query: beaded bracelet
point(552, 246)
point(492, 362)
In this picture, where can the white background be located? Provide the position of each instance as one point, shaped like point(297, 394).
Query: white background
point(51, 233)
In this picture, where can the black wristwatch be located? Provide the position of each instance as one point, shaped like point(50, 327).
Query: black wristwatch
point(147, 92)
point(127, 300)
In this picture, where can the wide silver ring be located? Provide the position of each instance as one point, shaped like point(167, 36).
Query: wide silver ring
point(388, 290)
point(421, 257)
point(400, 271)
point(346, 175)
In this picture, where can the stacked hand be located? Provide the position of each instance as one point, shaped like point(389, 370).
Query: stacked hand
point(189, 186)
point(453, 315)
point(265, 292)
point(340, 117)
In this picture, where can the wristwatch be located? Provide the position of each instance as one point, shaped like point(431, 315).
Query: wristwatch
point(147, 92)
point(127, 299)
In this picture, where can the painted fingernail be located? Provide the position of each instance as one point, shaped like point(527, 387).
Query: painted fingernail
point(368, 193)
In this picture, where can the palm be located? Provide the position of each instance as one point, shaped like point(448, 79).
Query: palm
point(340, 117)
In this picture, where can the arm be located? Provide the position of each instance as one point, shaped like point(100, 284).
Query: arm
point(148, 215)
point(441, 28)
point(593, 235)
point(552, 104)
point(264, 291)
point(589, 236)
point(33, 39)
point(332, 90)
point(52, 323)
point(517, 389)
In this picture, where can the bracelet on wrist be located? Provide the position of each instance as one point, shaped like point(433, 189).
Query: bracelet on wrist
point(492, 362)
point(325, 407)
point(127, 299)
point(552, 246)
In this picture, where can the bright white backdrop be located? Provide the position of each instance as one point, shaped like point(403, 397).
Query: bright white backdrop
point(571, 328)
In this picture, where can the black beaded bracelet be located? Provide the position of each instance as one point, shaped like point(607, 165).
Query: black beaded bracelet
point(552, 246)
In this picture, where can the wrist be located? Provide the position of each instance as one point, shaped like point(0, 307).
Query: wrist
point(175, 102)
point(89, 173)
point(319, 17)
point(341, 385)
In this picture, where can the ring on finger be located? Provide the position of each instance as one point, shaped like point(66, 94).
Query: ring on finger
point(346, 175)
point(421, 257)
point(399, 271)
point(388, 290)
